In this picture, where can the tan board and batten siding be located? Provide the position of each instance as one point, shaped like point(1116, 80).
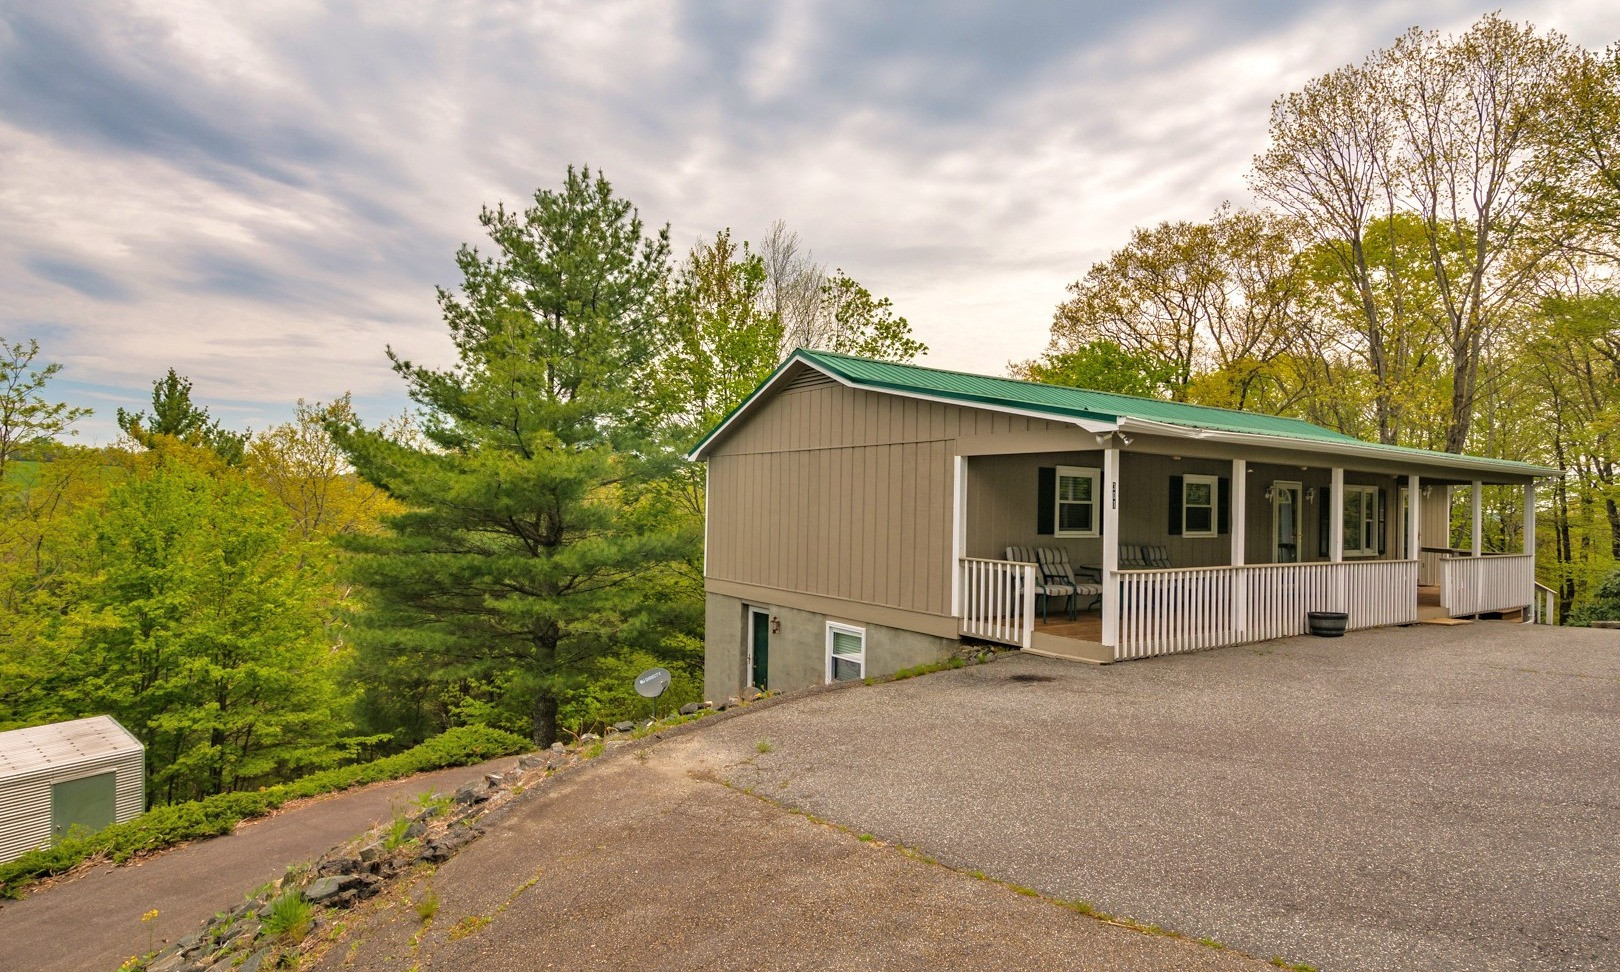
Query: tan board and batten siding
point(845, 494)
point(33, 759)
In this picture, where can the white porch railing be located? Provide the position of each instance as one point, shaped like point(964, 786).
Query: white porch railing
point(1183, 609)
point(998, 600)
point(1544, 606)
point(1494, 582)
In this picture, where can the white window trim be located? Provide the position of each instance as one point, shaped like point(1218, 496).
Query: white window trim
point(1214, 506)
point(1369, 519)
point(833, 627)
point(1076, 472)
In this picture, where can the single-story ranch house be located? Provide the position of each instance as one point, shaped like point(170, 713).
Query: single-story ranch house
point(865, 516)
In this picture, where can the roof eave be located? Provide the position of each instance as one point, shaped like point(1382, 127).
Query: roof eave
point(1442, 460)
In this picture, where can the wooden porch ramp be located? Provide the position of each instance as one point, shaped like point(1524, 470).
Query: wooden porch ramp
point(1430, 611)
point(1077, 640)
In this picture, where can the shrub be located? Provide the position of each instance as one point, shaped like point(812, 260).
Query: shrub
point(168, 825)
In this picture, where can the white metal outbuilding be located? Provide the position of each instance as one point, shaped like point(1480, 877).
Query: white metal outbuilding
point(88, 772)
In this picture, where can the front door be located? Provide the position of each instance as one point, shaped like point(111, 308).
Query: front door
point(1285, 523)
point(759, 649)
point(88, 803)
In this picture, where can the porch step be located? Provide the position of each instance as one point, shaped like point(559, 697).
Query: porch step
point(1447, 621)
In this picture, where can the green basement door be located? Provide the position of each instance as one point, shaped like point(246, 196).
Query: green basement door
point(88, 803)
point(759, 649)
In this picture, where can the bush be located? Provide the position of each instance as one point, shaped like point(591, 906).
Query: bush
point(289, 916)
point(166, 826)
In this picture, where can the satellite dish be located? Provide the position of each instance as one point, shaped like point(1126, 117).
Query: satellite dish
point(651, 683)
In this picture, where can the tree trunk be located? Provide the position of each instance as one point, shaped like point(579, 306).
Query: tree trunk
point(544, 731)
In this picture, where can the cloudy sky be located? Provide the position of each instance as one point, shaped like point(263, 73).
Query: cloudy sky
point(263, 195)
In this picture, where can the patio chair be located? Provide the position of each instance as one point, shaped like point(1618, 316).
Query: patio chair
point(1046, 587)
point(1131, 557)
point(1086, 581)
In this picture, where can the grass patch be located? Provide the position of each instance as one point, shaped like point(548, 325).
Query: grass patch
point(427, 905)
point(166, 826)
point(289, 917)
point(468, 926)
point(915, 670)
point(398, 829)
point(763, 746)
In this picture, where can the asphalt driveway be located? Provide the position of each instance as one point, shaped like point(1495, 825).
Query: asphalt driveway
point(1427, 797)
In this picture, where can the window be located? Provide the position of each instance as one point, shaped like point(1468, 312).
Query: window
point(846, 653)
point(1361, 521)
point(1198, 498)
point(1076, 498)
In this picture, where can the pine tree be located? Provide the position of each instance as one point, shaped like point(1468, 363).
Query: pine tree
point(533, 544)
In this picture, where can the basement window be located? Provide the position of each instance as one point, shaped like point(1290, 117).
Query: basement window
point(846, 653)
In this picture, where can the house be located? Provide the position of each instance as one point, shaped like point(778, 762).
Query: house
point(87, 773)
point(861, 514)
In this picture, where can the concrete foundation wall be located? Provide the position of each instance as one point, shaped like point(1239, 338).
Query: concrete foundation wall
point(798, 648)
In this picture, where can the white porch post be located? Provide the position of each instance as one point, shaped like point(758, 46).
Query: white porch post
point(958, 533)
point(1110, 548)
point(1530, 517)
point(1239, 502)
point(1336, 516)
point(1414, 538)
point(1477, 545)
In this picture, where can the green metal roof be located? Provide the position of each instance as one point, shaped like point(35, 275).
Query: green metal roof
point(1063, 402)
point(1060, 400)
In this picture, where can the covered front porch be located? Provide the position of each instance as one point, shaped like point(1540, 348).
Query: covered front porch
point(1171, 546)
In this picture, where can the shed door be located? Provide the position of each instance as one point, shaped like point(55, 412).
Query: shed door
point(87, 803)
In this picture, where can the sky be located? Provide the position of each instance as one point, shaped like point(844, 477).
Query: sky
point(264, 195)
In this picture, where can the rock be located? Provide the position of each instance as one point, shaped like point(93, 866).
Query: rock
point(322, 890)
point(255, 962)
point(590, 737)
point(557, 747)
point(168, 962)
point(369, 886)
point(534, 761)
point(729, 703)
point(415, 830)
point(624, 726)
point(470, 793)
point(372, 851)
point(690, 708)
point(338, 865)
point(494, 779)
point(705, 704)
point(444, 847)
point(190, 943)
point(750, 694)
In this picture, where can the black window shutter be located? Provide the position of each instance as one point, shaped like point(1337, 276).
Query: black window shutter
point(1046, 501)
point(1383, 530)
point(1323, 509)
point(1223, 507)
point(1176, 498)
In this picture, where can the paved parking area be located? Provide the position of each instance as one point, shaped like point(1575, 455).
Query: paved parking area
point(1427, 797)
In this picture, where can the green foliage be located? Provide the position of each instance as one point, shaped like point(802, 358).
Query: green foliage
point(610, 695)
point(536, 537)
point(397, 830)
point(166, 826)
point(856, 322)
point(28, 419)
point(1604, 604)
point(186, 617)
point(289, 916)
point(176, 416)
point(1101, 365)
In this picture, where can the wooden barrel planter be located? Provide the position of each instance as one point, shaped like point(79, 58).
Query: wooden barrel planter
point(1328, 624)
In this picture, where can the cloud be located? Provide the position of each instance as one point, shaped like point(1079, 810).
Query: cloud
point(263, 194)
